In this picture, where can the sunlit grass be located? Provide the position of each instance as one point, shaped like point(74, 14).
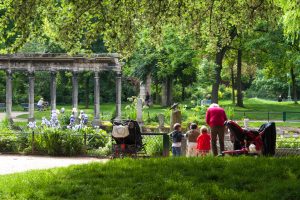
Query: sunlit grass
point(183, 178)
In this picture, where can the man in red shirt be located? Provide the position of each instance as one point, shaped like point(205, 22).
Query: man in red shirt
point(215, 118)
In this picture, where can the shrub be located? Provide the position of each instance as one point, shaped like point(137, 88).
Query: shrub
point(8, 143)
point(154, 145)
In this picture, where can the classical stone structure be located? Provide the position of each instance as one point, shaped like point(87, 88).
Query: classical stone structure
point(30, 63)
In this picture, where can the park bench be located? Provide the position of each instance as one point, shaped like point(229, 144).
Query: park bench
point(205, 102)
point(25, 106)
point(2, 106)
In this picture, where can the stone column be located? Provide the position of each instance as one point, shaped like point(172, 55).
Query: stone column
point(75, 91)
point(118, 96)
point(142, 90)
point(8, 94)
point(139, 111)
point(53, 90)
point(31, 96)
point(97, 120)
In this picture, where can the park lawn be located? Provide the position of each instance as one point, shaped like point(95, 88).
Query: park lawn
point(161, 178)
point(259, 109)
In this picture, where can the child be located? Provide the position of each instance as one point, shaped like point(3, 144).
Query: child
point(203, 141)
point(192, 136)
point(176, 140)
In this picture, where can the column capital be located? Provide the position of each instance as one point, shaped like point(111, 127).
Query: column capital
point(30, 74)
point(53, 72)
point(75, 73)
point(119, 74)
point(8, 72)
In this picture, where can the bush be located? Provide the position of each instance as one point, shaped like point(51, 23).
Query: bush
point(58, 142)
point(154, 145)
point(8, 143)
point(95, 138)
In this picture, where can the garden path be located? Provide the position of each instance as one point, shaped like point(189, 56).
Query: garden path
point(17, 163)
point(14, 116)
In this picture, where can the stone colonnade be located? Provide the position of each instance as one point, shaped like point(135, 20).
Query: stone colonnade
point(110, 63)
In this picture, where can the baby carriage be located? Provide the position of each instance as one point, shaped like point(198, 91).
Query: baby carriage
point(127, 139)
point(252, 142)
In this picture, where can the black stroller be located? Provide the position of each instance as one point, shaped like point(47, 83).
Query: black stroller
point(263, 140)
point(127, 139)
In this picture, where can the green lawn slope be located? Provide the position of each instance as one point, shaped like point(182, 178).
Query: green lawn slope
point(181, 178)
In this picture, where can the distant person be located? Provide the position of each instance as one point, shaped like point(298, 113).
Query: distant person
point(192, 136)
point(147, 99)
point(203, 142)
point(215, 118)
point(40, 104)
point(176, 136)
point(279, 98)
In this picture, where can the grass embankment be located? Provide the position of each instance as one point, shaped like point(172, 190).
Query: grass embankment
point(183, 178)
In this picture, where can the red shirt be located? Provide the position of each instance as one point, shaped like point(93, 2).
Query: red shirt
point(203, 142)
point(215, 116)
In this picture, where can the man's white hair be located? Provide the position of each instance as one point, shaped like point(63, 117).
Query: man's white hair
point(214, 105)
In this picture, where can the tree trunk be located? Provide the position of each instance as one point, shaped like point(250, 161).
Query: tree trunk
point(293, 76)
point(156, 94)
point(215, 87)
point(182, 92)
point(218, 61)
point(87, 91)
point(166, 92)
point(169, 92)
point(239, 80)
point(232, 83)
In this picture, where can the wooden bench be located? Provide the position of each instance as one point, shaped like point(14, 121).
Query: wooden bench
point(205, 102)
point(3, 106)
point(25, 106)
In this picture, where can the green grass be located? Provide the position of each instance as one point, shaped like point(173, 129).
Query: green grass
point(182, 178)
point(258, 107)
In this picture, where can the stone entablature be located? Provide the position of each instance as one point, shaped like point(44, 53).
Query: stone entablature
point(57, 62)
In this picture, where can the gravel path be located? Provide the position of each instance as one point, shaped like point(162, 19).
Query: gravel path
point(14, 116)
point(17, 163)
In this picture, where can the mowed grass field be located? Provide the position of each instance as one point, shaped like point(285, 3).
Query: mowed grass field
point(255, 109)
point(161, 178)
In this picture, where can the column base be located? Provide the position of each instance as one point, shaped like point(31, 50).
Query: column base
point(31, 119)
point(141, 123)
point(96, 122)
point(117, 119)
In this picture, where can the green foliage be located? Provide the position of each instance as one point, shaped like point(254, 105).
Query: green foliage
point(288, 143)
point(154, 145)
point(268, 88)
point(57, 142)
point(8, 143)
point(130, 109)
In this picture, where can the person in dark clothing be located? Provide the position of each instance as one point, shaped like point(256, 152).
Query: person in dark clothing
point(176, 136)
point(147, 99)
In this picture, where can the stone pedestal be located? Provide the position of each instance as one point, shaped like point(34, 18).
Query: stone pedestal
point(97, 120)
point(53, 90)
point(118, 96)
point(31, 97)
point(75, 91)
point(175, 118)
point(161, 122)
point(142, 91)
point(139, 111)
point(8, 94)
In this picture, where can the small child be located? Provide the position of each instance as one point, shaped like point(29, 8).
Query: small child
point(176, 140)
point(192, 136)
point(203, 141)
